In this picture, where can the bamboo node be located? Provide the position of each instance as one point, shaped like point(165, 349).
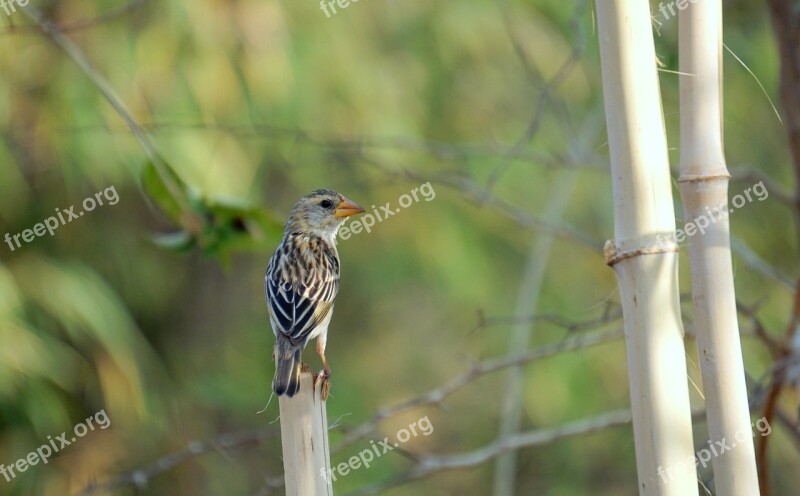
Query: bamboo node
point(613, 256)
point(705, 177)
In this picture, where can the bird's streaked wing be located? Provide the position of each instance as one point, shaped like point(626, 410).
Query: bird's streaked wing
point(300, 297)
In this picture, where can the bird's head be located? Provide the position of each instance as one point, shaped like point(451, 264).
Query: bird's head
point(320, 213)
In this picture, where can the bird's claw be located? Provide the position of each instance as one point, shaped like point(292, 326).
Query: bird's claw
point(324, 378)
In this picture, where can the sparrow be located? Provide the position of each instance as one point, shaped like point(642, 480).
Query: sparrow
point(301, 283)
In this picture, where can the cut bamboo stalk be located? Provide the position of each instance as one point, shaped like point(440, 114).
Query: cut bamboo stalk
point(304, 439)
point(704, 190)
point(646, 267)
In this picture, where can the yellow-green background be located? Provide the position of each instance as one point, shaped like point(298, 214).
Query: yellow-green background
point(253, 104)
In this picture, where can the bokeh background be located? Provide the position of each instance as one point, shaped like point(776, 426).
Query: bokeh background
point(152, 309)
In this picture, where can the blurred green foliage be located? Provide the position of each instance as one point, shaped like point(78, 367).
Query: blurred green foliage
point(153, 308)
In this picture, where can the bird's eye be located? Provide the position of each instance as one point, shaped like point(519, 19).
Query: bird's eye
point(325, 204)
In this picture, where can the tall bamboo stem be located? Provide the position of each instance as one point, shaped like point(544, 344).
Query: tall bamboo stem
point(647, 269)
point(704, 190)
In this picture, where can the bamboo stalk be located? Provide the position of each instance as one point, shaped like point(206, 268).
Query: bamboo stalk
point(704, 190)
point(304, 440)
point(646, 267)
point(533, 276)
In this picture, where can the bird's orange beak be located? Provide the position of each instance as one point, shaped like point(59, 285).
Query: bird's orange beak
point(346, 208)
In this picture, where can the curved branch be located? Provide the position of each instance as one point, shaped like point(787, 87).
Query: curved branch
point(141, 477)
point(432, 464)
point(436, 396)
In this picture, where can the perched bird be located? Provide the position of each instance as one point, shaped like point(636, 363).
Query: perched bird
point(301, 283)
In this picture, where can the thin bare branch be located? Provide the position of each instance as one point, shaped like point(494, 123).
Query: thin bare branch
point(481, 196)
point(431, 464)
point(438, 395)
point(755, 262)
point(81, 24)
point(613, 314)
point(140, 478)
point(357, 144)
point(546, 89)
point(80, 58)
point(754, 175)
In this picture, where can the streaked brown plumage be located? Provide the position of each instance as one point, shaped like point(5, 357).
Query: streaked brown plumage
point(301, 283)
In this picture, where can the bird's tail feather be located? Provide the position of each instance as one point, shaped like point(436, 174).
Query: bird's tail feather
point(287, 368)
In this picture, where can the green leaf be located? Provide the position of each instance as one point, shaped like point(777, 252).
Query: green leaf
point(155, 189)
